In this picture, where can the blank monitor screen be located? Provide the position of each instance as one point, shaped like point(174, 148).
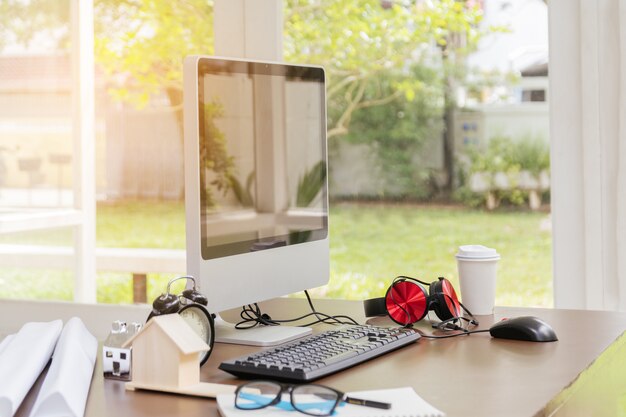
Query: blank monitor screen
point(262, 163)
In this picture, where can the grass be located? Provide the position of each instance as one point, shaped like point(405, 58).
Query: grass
point(370, 244)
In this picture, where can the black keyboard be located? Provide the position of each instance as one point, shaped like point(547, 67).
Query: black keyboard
point(320, 354)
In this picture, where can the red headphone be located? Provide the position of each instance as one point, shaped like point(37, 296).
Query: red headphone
point(407, 302)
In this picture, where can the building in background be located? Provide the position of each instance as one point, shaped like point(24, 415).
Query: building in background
point(511, 70)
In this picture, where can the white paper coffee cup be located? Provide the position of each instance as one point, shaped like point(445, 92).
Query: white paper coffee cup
point(477, 275)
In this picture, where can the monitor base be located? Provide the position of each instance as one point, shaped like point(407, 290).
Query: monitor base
point(257, 336)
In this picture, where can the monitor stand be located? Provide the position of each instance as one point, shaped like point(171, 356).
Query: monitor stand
point(226, 332)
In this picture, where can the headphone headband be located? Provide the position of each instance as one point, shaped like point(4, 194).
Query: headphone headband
point(401, 278)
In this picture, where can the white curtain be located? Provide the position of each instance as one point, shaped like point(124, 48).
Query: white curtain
point(588, 147)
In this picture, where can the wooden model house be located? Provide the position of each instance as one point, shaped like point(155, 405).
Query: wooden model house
point(165, 353)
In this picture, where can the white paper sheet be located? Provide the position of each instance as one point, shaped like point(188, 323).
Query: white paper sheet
point(22, 361)
point(5, 342)
point(65, 390)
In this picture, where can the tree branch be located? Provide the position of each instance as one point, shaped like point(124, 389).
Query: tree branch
point(336, 131)
point(379, 101)
point(353, 98)
point(338, 86)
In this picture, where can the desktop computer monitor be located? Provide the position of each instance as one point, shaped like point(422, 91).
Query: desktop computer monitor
point(256, 191)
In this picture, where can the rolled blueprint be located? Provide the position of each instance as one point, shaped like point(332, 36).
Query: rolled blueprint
point(23, 359)
point(66, 387)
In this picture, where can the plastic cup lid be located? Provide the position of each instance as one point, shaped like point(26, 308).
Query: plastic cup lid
point(477, 252)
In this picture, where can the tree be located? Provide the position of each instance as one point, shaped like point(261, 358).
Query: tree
point(142, 43)
point(383, 40)
point(358, 42)
point(398, 133)
point(21, 21)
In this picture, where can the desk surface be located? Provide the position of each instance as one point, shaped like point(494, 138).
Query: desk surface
point(466, 376)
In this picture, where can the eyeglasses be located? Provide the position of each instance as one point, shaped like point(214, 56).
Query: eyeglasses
point(311, 399)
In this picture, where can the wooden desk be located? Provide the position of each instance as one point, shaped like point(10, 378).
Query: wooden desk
point(584, 373)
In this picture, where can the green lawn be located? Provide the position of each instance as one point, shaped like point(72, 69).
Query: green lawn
point(370, 244)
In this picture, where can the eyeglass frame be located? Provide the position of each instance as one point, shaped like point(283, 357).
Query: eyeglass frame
point(288, 388)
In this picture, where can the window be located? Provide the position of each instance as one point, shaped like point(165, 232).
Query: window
point(428, 150)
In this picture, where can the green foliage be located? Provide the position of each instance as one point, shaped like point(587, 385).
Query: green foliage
point(21, 21)
point(371, 54)
point(214, 155)
point(479, 81)
point(360, 43)
point(310, 184)
point(144, 42)
point(243, 194)
point(309, 187)
point(503, 154)
point(495, 157)
point(141, 44)
point(508, 156)
point(532, 154)
point(399, 130)
point(463, 194)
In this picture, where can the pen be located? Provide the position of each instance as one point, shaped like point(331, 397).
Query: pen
point(368, 403)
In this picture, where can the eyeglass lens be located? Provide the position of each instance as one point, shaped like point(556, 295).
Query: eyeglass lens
point(257, 395)
point(313, 400)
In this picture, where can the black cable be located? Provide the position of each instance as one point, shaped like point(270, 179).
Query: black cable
point(451, 323)
point(350, 319)
point(252, 316)
point(464, 333)
point(308, 299)
point(252, 321)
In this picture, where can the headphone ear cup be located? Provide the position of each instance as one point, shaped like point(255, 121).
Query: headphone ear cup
point(443, 300)
point(435, 301)
point(406, 302)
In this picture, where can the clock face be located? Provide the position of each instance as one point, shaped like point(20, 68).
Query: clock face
point(200, 320)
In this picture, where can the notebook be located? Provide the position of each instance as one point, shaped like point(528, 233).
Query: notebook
point(404, 403)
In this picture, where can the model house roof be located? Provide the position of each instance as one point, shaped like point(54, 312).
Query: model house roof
point(177, 329)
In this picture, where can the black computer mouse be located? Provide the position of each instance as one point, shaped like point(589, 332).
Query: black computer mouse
point(529, 328)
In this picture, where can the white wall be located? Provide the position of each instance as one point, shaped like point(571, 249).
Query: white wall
point(478, 125)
